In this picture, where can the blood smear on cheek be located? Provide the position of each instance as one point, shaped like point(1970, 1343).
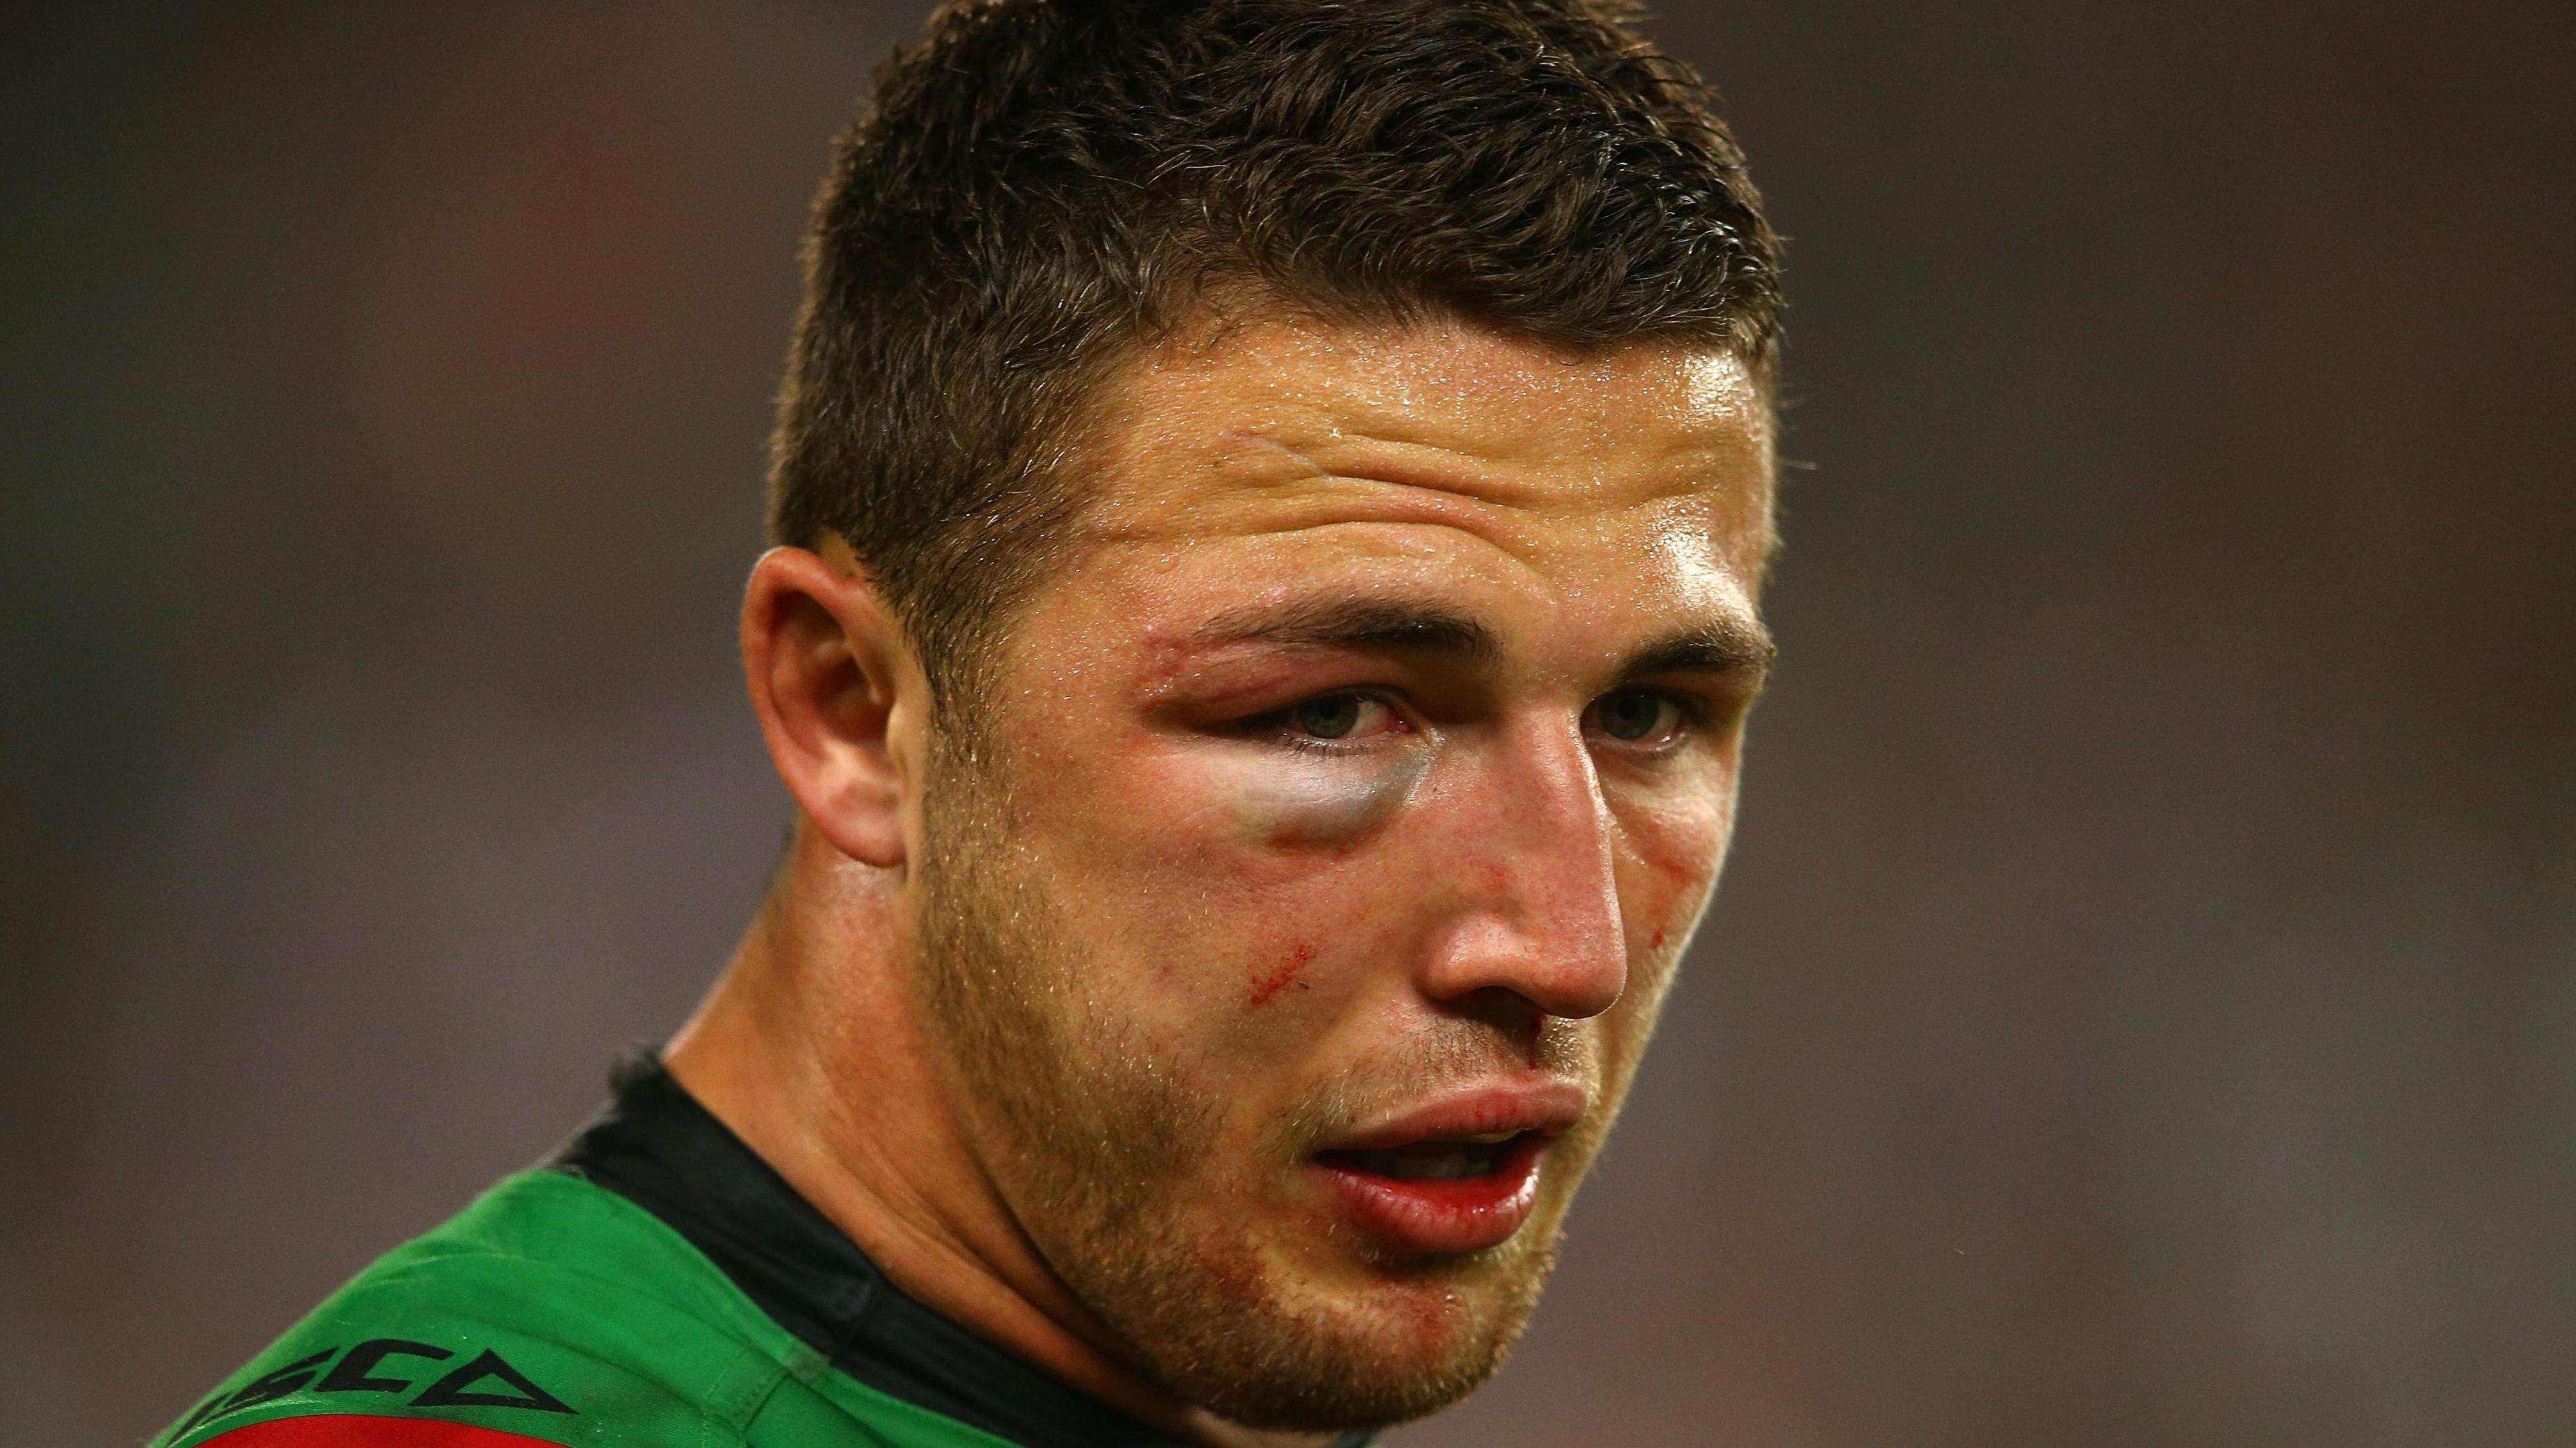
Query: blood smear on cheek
point(1266, 987)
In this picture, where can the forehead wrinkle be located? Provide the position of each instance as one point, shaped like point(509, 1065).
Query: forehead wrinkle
point(1220, 467)
point(1310, 502)
point(1529, 396)
point(1560, 479)
point(1413, 521)
point(1445, 405)
point(1292, 492)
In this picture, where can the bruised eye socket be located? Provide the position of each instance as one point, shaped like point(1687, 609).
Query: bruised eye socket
point(1635, 716)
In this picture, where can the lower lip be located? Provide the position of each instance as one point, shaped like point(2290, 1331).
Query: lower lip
point(1464, 1214)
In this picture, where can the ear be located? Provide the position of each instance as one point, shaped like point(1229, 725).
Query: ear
point(840, 696)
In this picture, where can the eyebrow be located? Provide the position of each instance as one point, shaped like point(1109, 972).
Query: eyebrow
point(1358, 623)
point(1723, 645)
point(1727, 646)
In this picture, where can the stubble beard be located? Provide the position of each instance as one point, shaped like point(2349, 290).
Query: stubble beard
point(1101, 1149)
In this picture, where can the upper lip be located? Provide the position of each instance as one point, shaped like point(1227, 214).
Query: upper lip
point(1546, 1104)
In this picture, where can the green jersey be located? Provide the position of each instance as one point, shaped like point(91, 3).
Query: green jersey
point(657, 1285)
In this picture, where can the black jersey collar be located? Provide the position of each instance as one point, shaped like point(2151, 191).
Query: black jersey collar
point(656, 1146)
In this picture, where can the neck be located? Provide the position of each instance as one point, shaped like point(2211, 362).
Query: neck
point(811, 1050)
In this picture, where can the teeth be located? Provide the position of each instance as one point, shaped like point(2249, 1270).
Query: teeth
point(1491, 1138)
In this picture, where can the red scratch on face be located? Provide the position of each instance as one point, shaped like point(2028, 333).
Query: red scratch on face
point(1264, 987)
point(1658, 942)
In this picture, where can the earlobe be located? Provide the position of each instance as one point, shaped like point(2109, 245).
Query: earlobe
point(830, 673)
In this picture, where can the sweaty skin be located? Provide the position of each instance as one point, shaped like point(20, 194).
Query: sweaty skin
point(1207, 943)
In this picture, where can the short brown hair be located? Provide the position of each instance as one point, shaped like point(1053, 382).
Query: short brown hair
point(1041, 186)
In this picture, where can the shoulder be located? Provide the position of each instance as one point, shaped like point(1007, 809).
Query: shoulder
point(551, 1311)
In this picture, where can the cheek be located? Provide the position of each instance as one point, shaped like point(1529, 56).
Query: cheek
point(1215, 889)
point(1671, 851)
point(1667, 864)
point(1279, 835)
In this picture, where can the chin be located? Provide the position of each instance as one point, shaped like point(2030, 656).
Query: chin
point(1356, 1345)
point(1338, 1380)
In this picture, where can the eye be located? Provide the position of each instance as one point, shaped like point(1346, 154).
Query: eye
point(1638, 716)
point(1340, 716)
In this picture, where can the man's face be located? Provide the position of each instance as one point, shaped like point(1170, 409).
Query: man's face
point(1332, 826)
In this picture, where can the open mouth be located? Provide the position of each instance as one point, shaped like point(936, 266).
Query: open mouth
point(1458, 1159)
point(1457, 1173)
point(1440, 1195)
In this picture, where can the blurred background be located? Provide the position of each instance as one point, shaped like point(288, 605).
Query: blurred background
point(2140, 1010)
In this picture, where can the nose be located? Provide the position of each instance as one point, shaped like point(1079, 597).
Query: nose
point(1533, 876)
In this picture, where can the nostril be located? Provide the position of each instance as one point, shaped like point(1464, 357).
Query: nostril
point(1563, 968)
